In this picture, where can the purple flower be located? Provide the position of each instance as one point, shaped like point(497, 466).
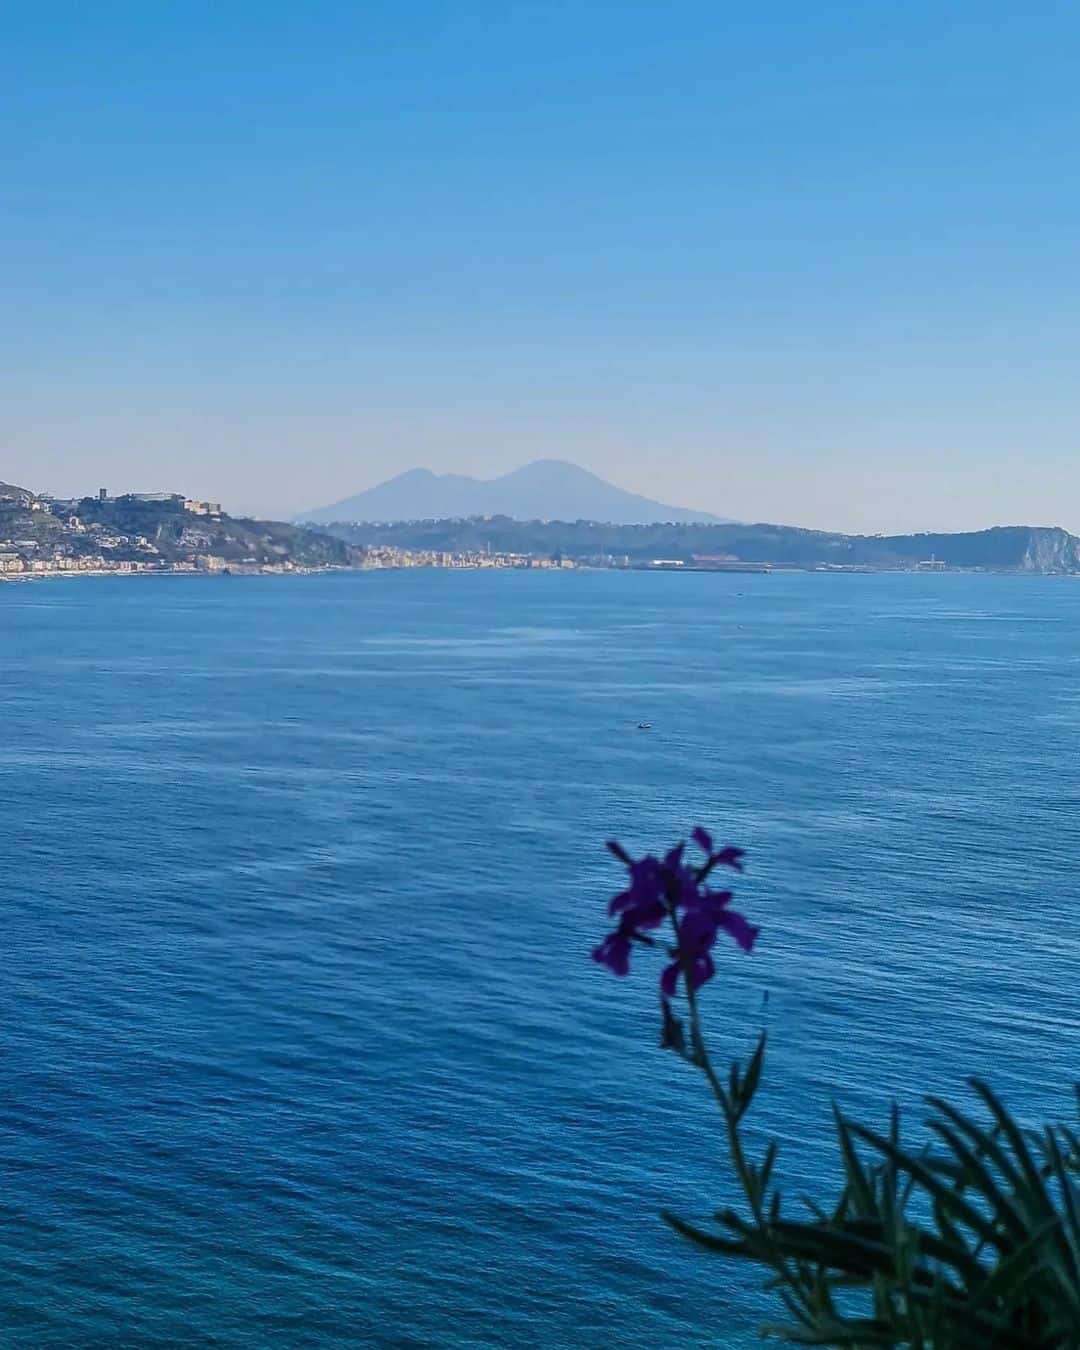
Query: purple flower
point(729, 857)
point(645, 914)
point(697, 931)
point(702, 968)
point(702, 921)
point(667, 887)
point(673, 858)
point(646, 886)
point(615, 847)
point(736, 926)
point(614, 952)
point(724, 857)
point(697, 936)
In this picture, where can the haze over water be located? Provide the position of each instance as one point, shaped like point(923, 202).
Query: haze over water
point(301, 1042)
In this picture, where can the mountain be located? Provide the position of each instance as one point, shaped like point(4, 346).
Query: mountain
point(546, 489)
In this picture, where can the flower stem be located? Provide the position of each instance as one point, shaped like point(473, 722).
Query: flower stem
point(702, 1061)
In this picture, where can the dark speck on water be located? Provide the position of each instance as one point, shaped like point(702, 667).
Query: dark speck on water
point(302, 1044)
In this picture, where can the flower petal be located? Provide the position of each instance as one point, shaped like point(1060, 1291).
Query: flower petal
point(697, 932)
point(734, 923)
point(614, 952)
point(704, 968)
point(673, 858)
point(644, 914)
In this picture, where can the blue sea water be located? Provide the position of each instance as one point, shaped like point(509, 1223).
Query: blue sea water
point(300, 1043)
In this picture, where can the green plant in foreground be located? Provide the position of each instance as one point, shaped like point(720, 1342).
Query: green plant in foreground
point(972, 1241)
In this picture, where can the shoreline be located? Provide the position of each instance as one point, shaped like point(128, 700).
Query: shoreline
point(97, 573)
point(638, 570)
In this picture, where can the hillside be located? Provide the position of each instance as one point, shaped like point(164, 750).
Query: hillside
point(547, 489)
point(148, 533)
point(1018, 548)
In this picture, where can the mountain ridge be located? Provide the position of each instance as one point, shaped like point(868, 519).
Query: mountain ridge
point(1014, 548)
point(543, 489)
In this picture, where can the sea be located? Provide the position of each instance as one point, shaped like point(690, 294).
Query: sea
point(300, 1039)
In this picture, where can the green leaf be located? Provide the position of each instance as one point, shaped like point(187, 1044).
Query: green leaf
point(797, 1309)
point(1037, 1186)
point(838, 1249)
point(858, 1181)
point(986, 1144)
point(1008, 1279)
point(750, 1083)
point(765, 1174)
point(712, 1241)
point(855, 1331)
point(924, 1176)
point(1070, 1197)
point(1015, 1137)
point(978, 1175)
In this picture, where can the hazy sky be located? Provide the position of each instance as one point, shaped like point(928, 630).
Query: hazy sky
point(812, 261)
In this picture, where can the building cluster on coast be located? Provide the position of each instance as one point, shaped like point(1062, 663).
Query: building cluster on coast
point(381, 556)
point(13, 568)
point(146, 533)
point(91, 541)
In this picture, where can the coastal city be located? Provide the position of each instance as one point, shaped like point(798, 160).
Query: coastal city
point(378, 557)
point(166, 532)
point(149, 532)
point(105, 550)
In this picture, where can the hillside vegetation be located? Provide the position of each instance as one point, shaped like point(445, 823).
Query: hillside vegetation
point(1019, 548)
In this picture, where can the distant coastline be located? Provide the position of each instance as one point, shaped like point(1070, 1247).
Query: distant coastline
point(515, 565)
point(167, 533)
point(673, 546)
point(97, 573)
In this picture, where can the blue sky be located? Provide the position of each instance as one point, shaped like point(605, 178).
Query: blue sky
point(809, 262)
